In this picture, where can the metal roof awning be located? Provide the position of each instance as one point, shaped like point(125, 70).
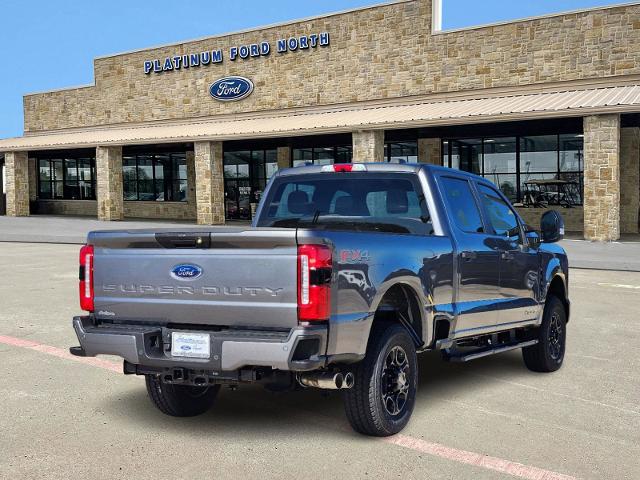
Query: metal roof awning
point(441, 112)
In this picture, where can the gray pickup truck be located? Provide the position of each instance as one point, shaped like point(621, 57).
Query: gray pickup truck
point(347, 272)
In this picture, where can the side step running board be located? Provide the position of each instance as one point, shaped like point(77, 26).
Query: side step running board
point(461, 357)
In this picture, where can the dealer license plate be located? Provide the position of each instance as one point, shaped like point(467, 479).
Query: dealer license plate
point(190, 345)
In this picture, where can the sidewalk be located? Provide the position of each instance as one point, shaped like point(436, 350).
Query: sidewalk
point(624, 255)
point(63, 229)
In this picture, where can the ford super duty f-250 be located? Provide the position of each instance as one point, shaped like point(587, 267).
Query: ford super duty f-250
point(346, 273)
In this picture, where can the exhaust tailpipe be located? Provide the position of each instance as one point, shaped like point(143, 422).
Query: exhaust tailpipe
point(349, 380)
point(326, 380)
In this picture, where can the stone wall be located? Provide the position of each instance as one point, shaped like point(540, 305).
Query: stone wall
point(17, 173)
point(629, 179)
point(209, 183)
point(284, 157)
point(573, 217)
point(84, 208)
point(109, 183)
point(368, 146)
point(375, 53)
point(160, 210)
point(602, 177)
point(430, 151)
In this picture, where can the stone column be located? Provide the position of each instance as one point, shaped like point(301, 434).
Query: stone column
point(368, 146)
point(109, 182)
point(430, 151)
point(602, 177)
point(16, 166)
point(284, 157)
point(209, 183)
point(629, 179)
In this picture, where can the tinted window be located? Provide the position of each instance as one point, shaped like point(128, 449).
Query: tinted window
point(501, 216)
point(550, 172)
point(462, 205)
point(371, 202)
point(155, 177)
point(67, 178)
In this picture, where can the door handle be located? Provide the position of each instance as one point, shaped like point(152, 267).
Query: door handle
point(507, 256)
point(469, 256)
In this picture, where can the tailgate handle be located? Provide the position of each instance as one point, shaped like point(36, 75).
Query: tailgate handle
point(184, 240)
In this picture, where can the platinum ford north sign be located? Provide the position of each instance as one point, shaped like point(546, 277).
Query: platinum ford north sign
point(243, 52)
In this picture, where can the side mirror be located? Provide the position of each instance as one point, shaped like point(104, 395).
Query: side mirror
point(533, 237)
point(551, 227)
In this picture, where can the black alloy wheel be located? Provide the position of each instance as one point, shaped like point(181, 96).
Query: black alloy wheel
point(383, 397)
point(548, 354)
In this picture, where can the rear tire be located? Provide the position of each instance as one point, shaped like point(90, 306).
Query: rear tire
point(381, 402)
point(180, 400)
point(548, 354)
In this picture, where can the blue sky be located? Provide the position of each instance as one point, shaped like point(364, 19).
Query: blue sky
point(49, 44)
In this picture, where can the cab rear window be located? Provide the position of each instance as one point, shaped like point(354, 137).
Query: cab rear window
point(371, 202)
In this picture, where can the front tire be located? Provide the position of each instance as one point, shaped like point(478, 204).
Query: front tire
point(548, 354)
point(381, 401)
point(180, 400)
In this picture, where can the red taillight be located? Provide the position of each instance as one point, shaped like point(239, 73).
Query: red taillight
point(314, 282)
point(86, 278)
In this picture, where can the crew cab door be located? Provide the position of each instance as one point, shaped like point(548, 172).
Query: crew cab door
point(518, 261)
point(478, 261)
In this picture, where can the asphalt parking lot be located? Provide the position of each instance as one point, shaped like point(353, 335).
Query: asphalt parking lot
point(63, 418)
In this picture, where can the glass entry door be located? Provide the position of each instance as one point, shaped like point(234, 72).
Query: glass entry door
point(246, 173)
point(237, 199)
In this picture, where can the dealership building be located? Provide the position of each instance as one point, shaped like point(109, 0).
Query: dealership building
point(548, 108)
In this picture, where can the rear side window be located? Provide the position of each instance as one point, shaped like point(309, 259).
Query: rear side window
point(502, 218)
point(392, 203)
point(295, 200)
point(462, 205)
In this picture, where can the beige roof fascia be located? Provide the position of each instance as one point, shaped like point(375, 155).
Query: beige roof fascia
point(566, 103)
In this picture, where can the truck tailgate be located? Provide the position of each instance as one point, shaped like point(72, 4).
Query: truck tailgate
point(230, 277)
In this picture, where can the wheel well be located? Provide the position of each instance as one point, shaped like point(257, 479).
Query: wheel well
point(400, 304)
point(557, 289)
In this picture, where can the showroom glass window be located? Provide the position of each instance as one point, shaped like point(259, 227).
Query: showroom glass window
point(401, 152)
point(322, 155)
point(67, 177)
point(535, 170)
point(246, 173)
point(155, 177)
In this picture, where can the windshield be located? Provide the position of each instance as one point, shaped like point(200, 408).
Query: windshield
point(391, 203)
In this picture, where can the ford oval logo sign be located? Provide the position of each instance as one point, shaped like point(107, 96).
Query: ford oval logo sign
point(231, 89)
point(186, 272)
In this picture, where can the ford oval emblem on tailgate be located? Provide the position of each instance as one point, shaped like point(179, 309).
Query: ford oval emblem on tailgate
point(186, 271)
point(229, 89)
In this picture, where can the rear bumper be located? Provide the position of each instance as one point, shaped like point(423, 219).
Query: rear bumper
point(231, 350)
